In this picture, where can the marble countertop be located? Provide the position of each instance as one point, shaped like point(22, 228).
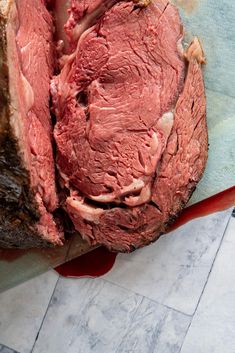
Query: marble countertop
point(175, 296)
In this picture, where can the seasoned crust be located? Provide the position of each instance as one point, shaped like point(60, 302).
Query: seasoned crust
point(18, 210)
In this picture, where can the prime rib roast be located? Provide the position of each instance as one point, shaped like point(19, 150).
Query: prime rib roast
point(28, 195)
point(104, 117)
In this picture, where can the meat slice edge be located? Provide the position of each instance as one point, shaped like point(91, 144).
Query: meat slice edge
point(94, 156)
point(182, 166)
point(28, 194)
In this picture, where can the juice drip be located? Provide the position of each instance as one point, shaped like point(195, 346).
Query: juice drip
point(213, 204)
point(100, 261)
point(93, 264)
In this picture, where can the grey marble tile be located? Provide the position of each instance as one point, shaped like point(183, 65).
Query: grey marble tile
point(92, 315)
point(97, 316)
point(174, 270)
point(155, 329)
point(22, 310)
point(213, 327)
point(172, 333)
point(4, 349)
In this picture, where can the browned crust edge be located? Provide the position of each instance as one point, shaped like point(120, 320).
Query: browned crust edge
point(18, 209)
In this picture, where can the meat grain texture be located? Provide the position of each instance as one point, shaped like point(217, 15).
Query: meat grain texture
point(27, 173)
point(131, 129)
point(131, 135)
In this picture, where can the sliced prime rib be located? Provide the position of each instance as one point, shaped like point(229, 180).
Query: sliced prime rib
point(131, 130)
point(28, 195)
point(131, 135)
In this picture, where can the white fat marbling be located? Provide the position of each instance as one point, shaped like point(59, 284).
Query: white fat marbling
point(174, 270)
point(213, 326)
point(22, 310)
point(97, 316)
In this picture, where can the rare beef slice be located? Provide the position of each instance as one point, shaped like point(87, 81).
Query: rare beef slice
point(131, 130)
point(27, 176)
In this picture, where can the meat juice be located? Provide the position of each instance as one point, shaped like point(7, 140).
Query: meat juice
point(100, 261)
point(93, 264)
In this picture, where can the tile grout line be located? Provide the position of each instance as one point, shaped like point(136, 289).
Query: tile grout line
point(167, 306)
point(12, 349)
point(150, 299)
point(204, 287)
point(143, 296)
point(44, 316)
point(213, 262)
point(186, 332)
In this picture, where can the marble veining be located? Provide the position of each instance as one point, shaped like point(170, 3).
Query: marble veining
point(156, 329)
point(95, 315)
point(214, 320)
point(22, 310)
point(174, 270)
point(102, 317)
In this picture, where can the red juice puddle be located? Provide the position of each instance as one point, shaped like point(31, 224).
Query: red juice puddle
point(213, 204)
point(99, 261)
point(93, 264)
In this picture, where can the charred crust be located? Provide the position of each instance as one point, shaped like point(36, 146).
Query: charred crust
point(19, 236)
point(18, 209)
